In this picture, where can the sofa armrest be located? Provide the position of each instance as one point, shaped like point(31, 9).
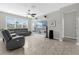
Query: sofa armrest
point(16, 37)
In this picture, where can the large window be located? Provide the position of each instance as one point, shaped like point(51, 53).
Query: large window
point(25, 23)
point(12, 23)
point(21, 23)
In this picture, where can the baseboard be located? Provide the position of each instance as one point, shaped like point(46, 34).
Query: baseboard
point(56, 38)
point(59, 39)
point(70, 37)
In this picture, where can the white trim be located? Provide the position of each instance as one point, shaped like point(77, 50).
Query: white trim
point(60, 39)
point(76, 23)
point(70, 37)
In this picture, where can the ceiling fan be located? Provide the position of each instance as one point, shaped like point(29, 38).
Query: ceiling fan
point(30, 13)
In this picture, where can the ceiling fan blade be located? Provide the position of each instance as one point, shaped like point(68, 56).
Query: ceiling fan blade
point(33, 14)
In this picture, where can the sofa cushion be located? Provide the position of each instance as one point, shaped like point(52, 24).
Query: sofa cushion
point(23, 32)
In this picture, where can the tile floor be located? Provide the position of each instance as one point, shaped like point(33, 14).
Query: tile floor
point(39, 45)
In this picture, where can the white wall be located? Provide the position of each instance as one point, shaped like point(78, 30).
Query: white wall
point(56, 17)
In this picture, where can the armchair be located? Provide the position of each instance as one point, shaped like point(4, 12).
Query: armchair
point(12, 42)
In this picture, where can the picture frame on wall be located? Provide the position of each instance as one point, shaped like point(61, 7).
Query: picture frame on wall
point(53, 23)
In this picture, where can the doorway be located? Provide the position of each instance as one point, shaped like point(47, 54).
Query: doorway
point(39, 27)
point(70, 25)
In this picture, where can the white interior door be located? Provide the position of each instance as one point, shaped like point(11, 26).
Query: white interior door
point(70, 25)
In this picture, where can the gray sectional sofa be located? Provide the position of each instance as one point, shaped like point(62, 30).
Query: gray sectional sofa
point(22, 32)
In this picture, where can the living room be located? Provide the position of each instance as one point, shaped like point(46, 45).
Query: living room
point(30, 29)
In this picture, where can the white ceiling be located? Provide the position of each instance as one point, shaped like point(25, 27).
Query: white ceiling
point(39, 8)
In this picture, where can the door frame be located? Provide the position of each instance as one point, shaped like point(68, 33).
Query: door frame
point(63, 23)
point(74, 12)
